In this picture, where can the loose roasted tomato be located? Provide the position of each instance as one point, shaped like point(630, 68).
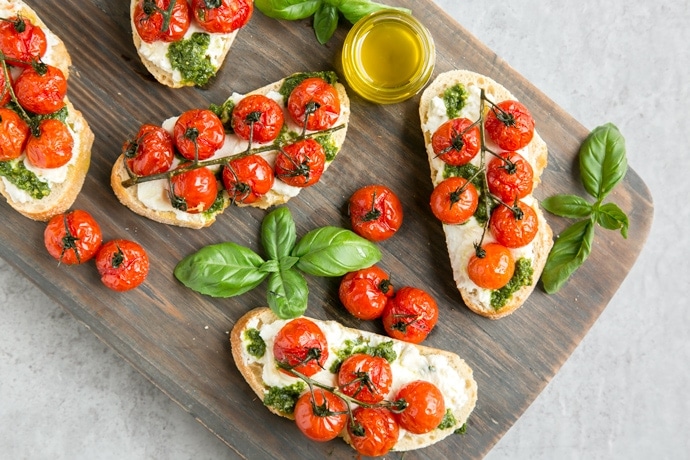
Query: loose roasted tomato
point(73, 237)
point(41, 89)
point(425, 407)
point(248, 178)
point(410, 315)
point(198, 134)
point(257, 118)
point(194, 191)
point(122, 264)
point(456, 141)
point(320, 415)
point(514, 226)
point(365, 378)
point(53, 145)
point(510, 125)
point(150, 152)
point(373, 431)
point(301, 346)
point(14, 133)
point(454, 200)
point(164, 20)
point(510, 177)
point(364, 292)
point(491, 266)
point(314, 103)
point(375, 212)
point(300, 164)
point(21, 42)
point(222, 16)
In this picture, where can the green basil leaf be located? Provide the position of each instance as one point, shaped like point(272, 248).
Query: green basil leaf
point(334, 251)
point(603, 162)
point(288, 9)
point(288, 293)
point(611, 217)
point(270, 266)
point(221, 270)
point(354, 10)
point(325, 22)
point(571, 206)
point(569, 251)
point(287, 262)
point(278, 234)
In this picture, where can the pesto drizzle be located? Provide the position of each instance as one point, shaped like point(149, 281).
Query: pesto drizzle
point(522, 277)
point(284, 399)
point(189, 57)
point(361, 345)
point(455, 98)
point(256, 346)
point(16, 173)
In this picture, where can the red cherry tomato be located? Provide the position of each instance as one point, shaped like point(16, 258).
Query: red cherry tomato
point(510, 125)
point(514, 228)
point(375, 212)
point(73, 237)
point(41, 89)
point(198, 134)
point(150, 20)
point(258, 117)
point(425, 407)
point(373, 431)
point(150, 152)
point(21, 41)
point(52, 147)
point(301, 164)
point(320, 415)
point(317, 102)
point(456, 141)
point(14, 133)
point(410, 315)
point(248, 178)
point(364, 292)
point(122, 264)
point(365, 378)
point(301, 345)
point(491, 267)
point(454, 200)
point(194, 191)
point(509, 177)
point(224, 17)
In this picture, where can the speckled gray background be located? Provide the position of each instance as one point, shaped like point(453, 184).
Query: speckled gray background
point(623, 393)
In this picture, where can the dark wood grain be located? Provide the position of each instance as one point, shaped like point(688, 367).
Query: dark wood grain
point(179, 339)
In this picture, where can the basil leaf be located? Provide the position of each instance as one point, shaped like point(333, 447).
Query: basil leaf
point(288, 293)
point(288, 9)
point(278, 234)
point(569, 251)
point(325, 22)
point(334, 251)
point(354, 10)
point(603, 162)
point(611, 217)
point(270, 266)
point(221, 270)
point(571, 206)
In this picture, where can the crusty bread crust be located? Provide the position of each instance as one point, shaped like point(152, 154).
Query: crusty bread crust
point(252, 373)
point(536, 152)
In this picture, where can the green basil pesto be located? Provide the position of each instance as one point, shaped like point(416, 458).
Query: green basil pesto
point(189, 57)
point(224, 112)
point(462, 429)
point(522, 277)
point(16, 173)
point(469, 171)
point(217, 205)
point(293, 80)
point(455, 98)
point(256, 346)
point(284, 399)
point(449, 420)
point(328, 144)
point(361, 345)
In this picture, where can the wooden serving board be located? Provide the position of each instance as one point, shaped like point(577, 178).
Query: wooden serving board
point(179, 339)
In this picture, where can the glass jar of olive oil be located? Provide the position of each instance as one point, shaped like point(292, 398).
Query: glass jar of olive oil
point(388, 56)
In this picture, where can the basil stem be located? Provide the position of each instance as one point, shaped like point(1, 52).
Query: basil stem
point(288, 293)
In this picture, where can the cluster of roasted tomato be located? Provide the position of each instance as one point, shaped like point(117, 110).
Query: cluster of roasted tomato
point(364, 381)
point(508, 177)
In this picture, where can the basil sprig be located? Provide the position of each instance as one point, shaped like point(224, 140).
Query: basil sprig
point(228, 269)
point(603, 164)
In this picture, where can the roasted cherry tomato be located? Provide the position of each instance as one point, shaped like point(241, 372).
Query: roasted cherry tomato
point(375, 212)
point(258, 117)
point(21, 42)
point(248, 178)
point(364, 292)
point(73, 237)
point(301, 346)
point(454, 200)
point(365, 378)
point(41, 89)
point(456, 141)
point(424, 409)
point(53, 145)
point(14, 133)
point(194, 191)
point(514, 226)
point(373, 431)
point(410, 315)
point(198, 134)
point(150, 152)
point(491, 266)
point(510, 177)
point(301, 164)
point(316, 101)
point(320, 415)
point(222, 16)
point(164, 20)
point(510, 125)
point(122, 264)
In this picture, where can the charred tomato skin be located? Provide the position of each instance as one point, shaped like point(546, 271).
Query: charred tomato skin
point(320, 415)
point(301, 345)
point(122, 264)
point(410, 315)
point(364, 292)
point(376, 212)
point(73, 237)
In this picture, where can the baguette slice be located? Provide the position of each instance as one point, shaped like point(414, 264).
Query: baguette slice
point(461, 238)
point(63, 191)
point(445, 369)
